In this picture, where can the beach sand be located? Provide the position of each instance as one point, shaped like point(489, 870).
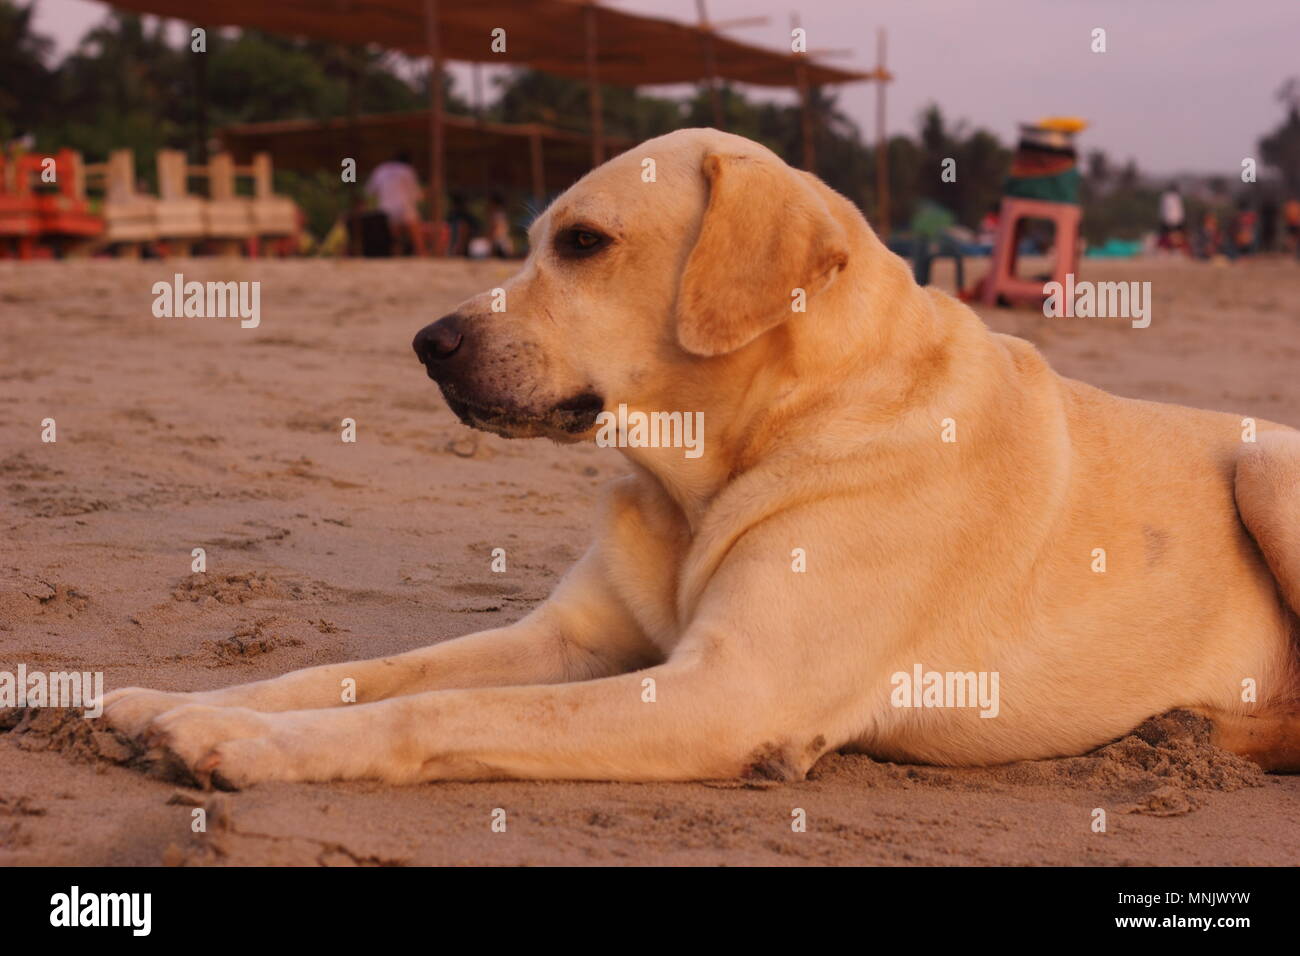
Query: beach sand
point(175, 434)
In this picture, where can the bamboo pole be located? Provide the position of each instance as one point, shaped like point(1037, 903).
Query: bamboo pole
point(352, 65)
point(538, 167)
point(593, 90)
point(805, 99)
point(806, 118)
point(436, 152)
point(882, 142)
point(476, 67)
point(200, 61)
point(710, 65)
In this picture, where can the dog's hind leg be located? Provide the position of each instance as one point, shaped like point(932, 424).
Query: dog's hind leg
point(1270, 739)
point(1267, 489)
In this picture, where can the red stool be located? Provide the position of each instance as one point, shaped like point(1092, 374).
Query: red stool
point(1002, 282)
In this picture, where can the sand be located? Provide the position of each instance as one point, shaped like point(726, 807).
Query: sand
point(175, 434)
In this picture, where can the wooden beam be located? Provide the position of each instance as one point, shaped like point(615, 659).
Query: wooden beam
point(200, 61)
point(806, 124)
point(742, 22)
point(710, 66)
point(477, 69)
point(806, 106)
point(882, 143)
point(538, 167)
point(593, 91)
point(432, 32)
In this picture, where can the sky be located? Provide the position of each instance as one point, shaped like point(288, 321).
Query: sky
point(1184, 85)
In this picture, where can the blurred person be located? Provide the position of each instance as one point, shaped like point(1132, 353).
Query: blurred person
point(1172, 218)
point(988, 231)
point(397, 192)
point(463, 224)
point(1209, 239)
point(498, 229)
point(1268, 211)
point(1291, 225)
point(1245, 233)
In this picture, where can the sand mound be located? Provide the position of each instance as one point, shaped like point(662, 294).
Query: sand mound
point(252, 640)
point(67, 731)
point(24, 596)
point(227, 588)
point(1158, 769)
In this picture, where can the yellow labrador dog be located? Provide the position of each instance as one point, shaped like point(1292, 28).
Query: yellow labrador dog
point(905, 535)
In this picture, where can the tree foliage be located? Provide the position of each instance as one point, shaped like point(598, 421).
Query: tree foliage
point(134, 83)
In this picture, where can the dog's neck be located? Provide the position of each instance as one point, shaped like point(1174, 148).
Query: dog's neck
point(855, 355)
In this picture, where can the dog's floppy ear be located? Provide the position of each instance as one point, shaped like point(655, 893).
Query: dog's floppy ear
point(766, 233)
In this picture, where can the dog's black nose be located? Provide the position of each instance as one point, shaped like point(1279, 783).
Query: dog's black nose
point(439, 340)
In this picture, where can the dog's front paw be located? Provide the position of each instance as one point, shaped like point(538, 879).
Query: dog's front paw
point(131, 709)
point(229, 747)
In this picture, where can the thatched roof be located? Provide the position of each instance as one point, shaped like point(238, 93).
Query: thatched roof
point(549, 35)
point(478, 155)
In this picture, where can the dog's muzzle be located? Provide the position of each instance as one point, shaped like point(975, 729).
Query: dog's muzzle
point(438, 343)
point(447, 350)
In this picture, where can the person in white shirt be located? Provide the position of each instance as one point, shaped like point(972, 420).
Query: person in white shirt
point(1172, 217)
point(396, 191)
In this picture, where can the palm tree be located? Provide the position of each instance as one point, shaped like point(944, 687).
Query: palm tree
point(1281, 148)
point(25, 91)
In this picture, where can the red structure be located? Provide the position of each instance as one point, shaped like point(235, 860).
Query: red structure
point(30, 216)
point(1002, 283)
point(20, 223)
point(1043, 186)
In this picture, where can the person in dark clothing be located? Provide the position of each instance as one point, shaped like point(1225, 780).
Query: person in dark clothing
point(464, 225)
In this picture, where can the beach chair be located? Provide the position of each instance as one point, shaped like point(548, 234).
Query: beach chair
point(274, 217)
point(130, 217)
point(181, 217)
point(228, 217)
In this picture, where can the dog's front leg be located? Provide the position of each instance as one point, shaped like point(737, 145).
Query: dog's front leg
point(678, 721)
point(581, 632)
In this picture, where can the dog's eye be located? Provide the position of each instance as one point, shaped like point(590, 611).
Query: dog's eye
point(579, 242)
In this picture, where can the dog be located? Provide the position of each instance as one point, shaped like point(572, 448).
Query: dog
point(887, 491)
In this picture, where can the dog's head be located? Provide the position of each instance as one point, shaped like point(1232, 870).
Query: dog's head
point(678, 253)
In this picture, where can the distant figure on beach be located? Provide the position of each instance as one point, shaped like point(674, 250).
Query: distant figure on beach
point(988, 233)
point(464, 225)
point(1209, 238)
point(499, 227)
point(1291, 225)
point(1172, 218)
point(1266, 240)
point(1242, 236)
point(396, 191)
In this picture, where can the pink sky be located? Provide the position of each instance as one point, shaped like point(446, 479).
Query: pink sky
point(1185, 84)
